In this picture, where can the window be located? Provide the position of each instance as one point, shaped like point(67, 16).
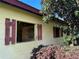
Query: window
point(25, 32)
point(57, 32)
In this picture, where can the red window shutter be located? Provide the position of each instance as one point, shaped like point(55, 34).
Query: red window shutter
point(39, 28)
point(10, 37)
point(61, 32)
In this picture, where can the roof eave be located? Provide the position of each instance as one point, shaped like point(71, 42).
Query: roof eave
point(22, 6)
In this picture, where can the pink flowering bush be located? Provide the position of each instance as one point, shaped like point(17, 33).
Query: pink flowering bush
point(55, 52)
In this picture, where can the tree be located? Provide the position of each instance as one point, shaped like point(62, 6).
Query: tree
point(63, 9)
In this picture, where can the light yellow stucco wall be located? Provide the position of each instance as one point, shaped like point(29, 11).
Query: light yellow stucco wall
point(23, 50)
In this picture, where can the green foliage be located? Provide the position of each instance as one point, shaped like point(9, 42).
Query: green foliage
point(66, 9)
point(77, 13)
point(61, 7)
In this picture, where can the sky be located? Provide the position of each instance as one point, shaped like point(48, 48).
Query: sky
point(34, 3)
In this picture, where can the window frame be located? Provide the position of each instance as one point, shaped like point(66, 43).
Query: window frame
point(17, 39)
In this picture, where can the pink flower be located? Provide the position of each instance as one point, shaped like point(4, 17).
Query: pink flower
point(57, 52)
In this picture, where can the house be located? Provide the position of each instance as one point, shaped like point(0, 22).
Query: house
point(22, 29)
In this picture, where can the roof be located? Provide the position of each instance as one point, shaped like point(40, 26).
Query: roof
point(22, 6)
point(25, 7)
